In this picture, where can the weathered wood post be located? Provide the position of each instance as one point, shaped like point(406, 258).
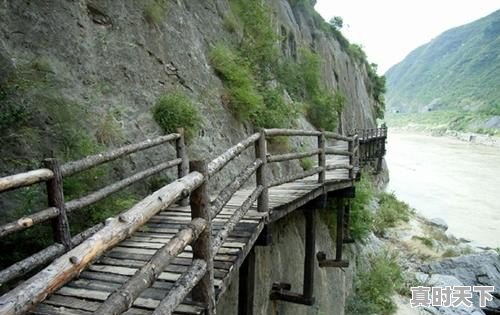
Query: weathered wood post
point(261, 153)
point(340, 229)
point(246, 289)
point(204, 291)
point(55, 194)
point(309, 259)
point(183, 168)
point(350, 148)
point(321, 157)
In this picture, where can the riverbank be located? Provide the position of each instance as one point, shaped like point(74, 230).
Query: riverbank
point(467, 137)
point(431, 257)
point(480, 128)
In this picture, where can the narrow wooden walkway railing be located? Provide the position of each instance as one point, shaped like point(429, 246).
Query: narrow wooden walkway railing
point(75, 253)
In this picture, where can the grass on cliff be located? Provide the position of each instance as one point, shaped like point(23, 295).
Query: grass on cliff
point(390, 212)
point(155, 11)
point(38, 121)
point(175, 110)
point(374, 289)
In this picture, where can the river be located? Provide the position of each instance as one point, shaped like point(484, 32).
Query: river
point(448, 179)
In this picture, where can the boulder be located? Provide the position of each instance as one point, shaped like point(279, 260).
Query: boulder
point(471, 270)
point(439, 223)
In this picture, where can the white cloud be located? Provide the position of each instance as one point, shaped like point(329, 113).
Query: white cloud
point(389, 29)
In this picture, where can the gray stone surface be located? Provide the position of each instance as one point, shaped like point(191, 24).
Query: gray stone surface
point(472, 270)
point(439, 223)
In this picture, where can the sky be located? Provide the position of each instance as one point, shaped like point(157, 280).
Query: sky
point(390, 29)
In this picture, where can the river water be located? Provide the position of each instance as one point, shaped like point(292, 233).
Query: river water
point(448, 179)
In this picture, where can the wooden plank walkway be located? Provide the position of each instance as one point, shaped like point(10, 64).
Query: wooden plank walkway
point(85, 294)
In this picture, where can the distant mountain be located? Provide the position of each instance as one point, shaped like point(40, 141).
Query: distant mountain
point(458, 70)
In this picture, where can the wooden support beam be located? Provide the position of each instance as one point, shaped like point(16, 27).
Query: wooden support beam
point(55, 195)
point(340, 229)
point(246, 285)
point(204, 291)
point(321, 157)
point(310, 250)
point(123, 298)
point(339, 241)
point(282, 291)
point(183, 167)
point(261, 179)
point(265, 237)
point(323, 262)
point(350, 148)
point(25, 179)
point(181, 288)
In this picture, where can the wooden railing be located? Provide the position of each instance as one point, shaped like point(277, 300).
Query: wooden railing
point(77, 252)
point(58, 208)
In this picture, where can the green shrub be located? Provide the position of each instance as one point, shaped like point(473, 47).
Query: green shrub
point(237, 76)
point(231, 23)
point(306, 163)
point(259, 41)
point(276, 113)
point(175, 110)
point(374, 289)
point(390, 211)
point(155, 11)
point(361, 219)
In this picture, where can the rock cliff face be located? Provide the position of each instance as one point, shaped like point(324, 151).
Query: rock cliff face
point(107, 59)
point(111, 64)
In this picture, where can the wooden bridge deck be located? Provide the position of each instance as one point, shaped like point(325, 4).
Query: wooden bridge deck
point(85, 294)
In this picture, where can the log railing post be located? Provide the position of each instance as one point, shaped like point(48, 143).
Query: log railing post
point(321, 157)
point(204, 291)
point(55, 194)
point(261, 153)
point(350, 148)
point(183, 168)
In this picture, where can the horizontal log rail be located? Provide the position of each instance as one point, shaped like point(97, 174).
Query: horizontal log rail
point(290, 132)
point(228, 191)
point(223, 234)
point(69, 265)
point(25, 179)
point(110, 189)
point(28, 221)
point(120, 300)
point(336, 136)
point(219, 162)
point(182, 287)
point(338, 152)
point(333, 167)
point(89, 245)
point(43, 257)
point(292, 156)
point(72, 168)
point(295, 177)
